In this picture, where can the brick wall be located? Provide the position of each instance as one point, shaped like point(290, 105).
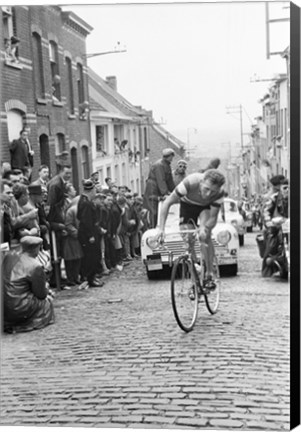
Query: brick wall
point(18, 84)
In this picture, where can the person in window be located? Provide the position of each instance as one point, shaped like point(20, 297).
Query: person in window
point(27, 300)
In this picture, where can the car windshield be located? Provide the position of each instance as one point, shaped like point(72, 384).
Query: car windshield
point(230, 206)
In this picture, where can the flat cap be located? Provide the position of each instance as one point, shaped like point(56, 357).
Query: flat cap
point(31, 241)
point(88, 184)
point(168, 152)
point(35, 189)
point(182, 162)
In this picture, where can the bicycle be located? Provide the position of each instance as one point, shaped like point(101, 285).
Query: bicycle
point(187, 283)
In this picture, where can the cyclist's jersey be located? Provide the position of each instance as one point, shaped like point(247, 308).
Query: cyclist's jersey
point(189, 192)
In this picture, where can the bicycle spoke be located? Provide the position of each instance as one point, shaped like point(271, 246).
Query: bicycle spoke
point(184, 294)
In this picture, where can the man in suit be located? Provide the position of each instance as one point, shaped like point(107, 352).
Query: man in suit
point(56, 215)
point(22, 154)
point(43, 182)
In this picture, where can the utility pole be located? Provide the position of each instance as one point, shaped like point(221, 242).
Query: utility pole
point(237, 110)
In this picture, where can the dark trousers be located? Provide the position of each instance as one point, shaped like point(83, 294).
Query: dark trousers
point(72, 269)
point(90, 261)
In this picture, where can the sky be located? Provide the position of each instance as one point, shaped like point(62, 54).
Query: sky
point(189, 62)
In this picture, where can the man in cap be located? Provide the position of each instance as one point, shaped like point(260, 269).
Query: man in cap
point(27, 301)
point(43, 180)
point(180, 172)
point(159, 184)
point(95, 177)
point(88, 235)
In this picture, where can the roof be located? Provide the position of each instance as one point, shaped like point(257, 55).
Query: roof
point(112, 100)
point(167, 135)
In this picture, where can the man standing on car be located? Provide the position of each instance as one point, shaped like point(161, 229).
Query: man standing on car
point(159, 184)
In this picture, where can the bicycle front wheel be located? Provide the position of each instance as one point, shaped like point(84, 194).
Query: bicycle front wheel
point(212, 297)
point(184, 293)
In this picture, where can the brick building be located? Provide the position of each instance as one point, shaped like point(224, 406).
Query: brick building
point(44, 86)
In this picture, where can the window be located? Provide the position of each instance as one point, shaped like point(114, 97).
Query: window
point(14, 124)
point(85, 162)
point(146, 150)
point(11, 41)
point(60, 144)
point(70, 96)
point(117, 177)
point(38, 66)
point(55, 72)
point(109, 172)
point(101, 140)
point(80, 83)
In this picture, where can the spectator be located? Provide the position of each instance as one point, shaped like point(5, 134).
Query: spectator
point(27, 301)
point(72, 248)
point(6, 213)
point(115, 226)
point(88, 235)
point(27, 226)
point(277, 205)
point(21, 154)
point(102, 225)
point(95, 177)
point(108, 183)
point(125, 226)
point(43, 181)
point(213, 164)
point(159, 184)
point(36, 202)
point(13, 176)
point(56, 215)
point(180, 172)
point(5, 166)
point(109, 237)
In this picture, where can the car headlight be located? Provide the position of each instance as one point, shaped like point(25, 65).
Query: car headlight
point(223, 237)
point(152, 242)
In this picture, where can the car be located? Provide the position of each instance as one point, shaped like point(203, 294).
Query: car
point(158, 259)
point(232, 215)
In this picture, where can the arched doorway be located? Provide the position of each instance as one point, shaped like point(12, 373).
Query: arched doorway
point(74, 163)
point(44, 150)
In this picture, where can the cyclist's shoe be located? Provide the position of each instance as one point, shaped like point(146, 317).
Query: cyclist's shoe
point(209, 283)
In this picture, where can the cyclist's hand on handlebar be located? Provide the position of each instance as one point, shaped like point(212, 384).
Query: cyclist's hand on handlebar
point(203, 233)
point(160, 236)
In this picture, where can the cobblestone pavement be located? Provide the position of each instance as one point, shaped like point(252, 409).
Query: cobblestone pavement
point(116, 358)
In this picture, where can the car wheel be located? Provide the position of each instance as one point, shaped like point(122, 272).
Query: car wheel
point(241, 239)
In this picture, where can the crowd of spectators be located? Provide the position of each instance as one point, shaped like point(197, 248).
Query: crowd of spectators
point(74, 238)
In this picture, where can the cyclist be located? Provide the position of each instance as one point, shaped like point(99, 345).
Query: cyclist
point(201, 196)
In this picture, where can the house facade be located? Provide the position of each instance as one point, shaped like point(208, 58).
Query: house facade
point(124, 138)
point(44, 86)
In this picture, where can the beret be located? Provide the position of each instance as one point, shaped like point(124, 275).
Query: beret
point(35, 189)
point(31, 241)
point(168, 152)
point(88, 184)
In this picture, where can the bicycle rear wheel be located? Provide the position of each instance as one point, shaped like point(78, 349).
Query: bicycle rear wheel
point(184, 293)
point(212, 296)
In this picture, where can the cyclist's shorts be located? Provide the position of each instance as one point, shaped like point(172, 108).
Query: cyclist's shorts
point(190, 212)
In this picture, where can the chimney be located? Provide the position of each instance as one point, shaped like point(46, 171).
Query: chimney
point(112, 82)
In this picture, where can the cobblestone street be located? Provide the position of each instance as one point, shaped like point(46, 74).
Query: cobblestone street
point(115, 357)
